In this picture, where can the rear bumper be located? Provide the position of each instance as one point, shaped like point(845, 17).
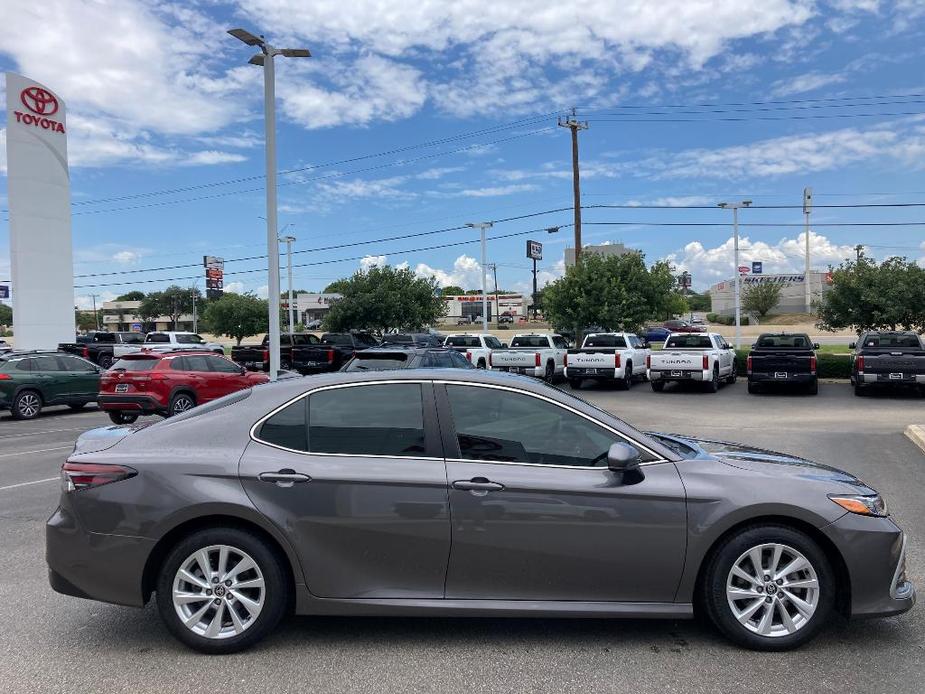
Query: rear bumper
point(610, 374)
point(535, 371)
point(679, 375)
point(144, 404)
point(89, 565)
point(790, 378)
point(884, 379)
point(874, 551)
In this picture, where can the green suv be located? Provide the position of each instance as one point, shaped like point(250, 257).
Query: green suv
point(31, 380)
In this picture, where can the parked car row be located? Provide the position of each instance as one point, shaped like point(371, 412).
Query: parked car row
point(104, 348)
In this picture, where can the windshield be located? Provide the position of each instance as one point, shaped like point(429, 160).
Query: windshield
point(784, 341)
point(189, 339)
point(691, 341)
point(530, 341)
point(605, 341)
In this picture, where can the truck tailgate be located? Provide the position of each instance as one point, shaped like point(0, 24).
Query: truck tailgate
point(511, 357)
point(680, 361)
point(592, 360)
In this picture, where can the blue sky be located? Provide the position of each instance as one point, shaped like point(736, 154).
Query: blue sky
point(161, 99)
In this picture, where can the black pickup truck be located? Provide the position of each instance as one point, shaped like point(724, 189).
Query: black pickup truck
point(257, 357)
point(782, 359)
point(888, 359)
point(97, 346)
point(334, 350)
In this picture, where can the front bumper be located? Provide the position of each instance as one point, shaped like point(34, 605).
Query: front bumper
point(96, 566)
point(679, 375)
point(874, 551)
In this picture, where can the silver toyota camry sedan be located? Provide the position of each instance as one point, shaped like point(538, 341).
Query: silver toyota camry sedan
point(457, 492)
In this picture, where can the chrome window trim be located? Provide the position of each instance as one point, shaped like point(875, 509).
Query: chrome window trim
point(335, 386)
point(634, 442)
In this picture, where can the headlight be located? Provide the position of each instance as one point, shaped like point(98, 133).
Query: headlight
point(865, 505)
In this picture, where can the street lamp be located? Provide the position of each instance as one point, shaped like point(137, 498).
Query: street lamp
point(265, 60)
point(288, 241)
point(482, 226)
point(734, 206)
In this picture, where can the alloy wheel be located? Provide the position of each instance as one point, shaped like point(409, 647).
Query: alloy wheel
point(29, 405)
point(182, 404)
point(218, 592)
point(773, 590)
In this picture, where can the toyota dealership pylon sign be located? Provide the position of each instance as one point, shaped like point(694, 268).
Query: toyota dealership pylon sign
point(39, 192)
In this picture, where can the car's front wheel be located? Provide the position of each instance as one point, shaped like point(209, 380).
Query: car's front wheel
point(221, 590)
point(769, 588)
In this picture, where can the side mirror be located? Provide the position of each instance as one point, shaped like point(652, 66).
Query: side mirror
point(851, 345)
point(242, 370)
point(815, 345)
point(621, 457)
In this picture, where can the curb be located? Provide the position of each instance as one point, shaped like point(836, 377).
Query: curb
point(916, 433)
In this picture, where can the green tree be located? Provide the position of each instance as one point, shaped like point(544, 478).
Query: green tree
point(87, 320)
point(386, 298)
point(237, 316)
point(131, 296)
point(173, 302)
point(761, 297)
point(6, 315)
point(452, 290)
point(866, 295)
point(699, 302)
point(613, 292)
point(150, 308)
point(337, 286)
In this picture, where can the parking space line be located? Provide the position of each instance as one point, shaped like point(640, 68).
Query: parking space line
point(39, 433)
point(40, 450)
point(26, 484)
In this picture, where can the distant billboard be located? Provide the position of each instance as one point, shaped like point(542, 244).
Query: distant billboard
point(535, 250)
point(215, 276)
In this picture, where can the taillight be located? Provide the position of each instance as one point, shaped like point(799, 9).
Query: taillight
point(538, 362)
point(5, 377)
point(860, 363)
point(266, 355)
point(331, 355)
point(706, 362)
point(565, 360)
point(748, 364)
point(79, 476)
point(616, 360)
point(468, 356)
point(648, 361)
point(812, 364)
point(85, 352)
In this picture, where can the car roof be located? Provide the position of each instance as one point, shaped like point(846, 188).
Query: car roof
point(150, 354)
point(18, 354)
point(403, 349)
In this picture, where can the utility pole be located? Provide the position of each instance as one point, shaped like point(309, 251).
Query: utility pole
point(572, 123)
point(482, 226)
point(494, 270)
point(96, 316)
point(734, 206)
point(192, 296)
point(288, 240)
point(859, 251)
point(807, 208)
point(265, 59)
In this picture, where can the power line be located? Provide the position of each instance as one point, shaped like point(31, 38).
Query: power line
point(742, 119)
point(768, 109)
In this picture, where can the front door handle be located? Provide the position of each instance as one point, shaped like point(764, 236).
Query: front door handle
point(478, 484)
point(284, 478)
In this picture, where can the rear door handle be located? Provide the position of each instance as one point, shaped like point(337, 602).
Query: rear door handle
point(284, 478)
point(478, 484)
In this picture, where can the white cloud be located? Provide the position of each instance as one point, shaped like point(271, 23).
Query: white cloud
point(127, 257)
point(108, 253)
point(466, 273)
point(486, 192)
point(372, 261)
point(710, 265)
point(806, 83)
point(921, 260)
point(85, 301)
point(263, 291)
point(675, 201)
point(235, 287)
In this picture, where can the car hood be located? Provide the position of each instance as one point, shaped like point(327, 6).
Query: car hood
point(771, 463)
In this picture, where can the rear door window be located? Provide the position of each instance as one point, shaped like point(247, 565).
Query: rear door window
point(223, 365)
point(287, 428)
point(383, 420)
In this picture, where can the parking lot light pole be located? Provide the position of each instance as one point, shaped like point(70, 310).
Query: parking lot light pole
point(265, 59)
point(288, 241)
point(482, 226)
point(734, 206)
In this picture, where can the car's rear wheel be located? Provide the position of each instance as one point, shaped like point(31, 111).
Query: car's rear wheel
point(118, 417)
point(658, 386)
point(753, 388)
point(480, 364)
point(813, 388)
point(180, 403)
point(550, 374)
point(221, 590)
point(731, 379)
point(627, 381)
point(575, 383)
point(769, 588)
point(106, 361)
point(26, 405)
point(713, 383)
point(859, 390)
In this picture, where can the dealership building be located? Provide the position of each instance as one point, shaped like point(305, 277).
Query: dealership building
point(470, 306)
point(792, 295)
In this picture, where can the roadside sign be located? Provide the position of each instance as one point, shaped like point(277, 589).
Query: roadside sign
point(744, 269)
point(757, 267)
point(136, 327)
point(4, 291)
point(535, 250)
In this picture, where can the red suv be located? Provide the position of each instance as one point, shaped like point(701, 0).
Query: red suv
point(168, 383)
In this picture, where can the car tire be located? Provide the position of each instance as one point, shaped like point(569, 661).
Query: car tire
point(627, 381)
point(753, 389)
point(657, 386)
point(859, 390)
point(119, 417)
point(106, 361)
point(27, 404)
point(180, 403)
point(731, 379)
point(268, 592)
point(575, 383)
point(713, 383)
point(726, 593)
point(480, 364)
point(813, 388)
point(550, 374)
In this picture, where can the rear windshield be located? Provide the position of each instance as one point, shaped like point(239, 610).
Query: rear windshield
point(135, 364)
point(334, 339)
point(890, 341)
point(691, 341)
point(381, 361)
point(399, 339)
point(784, 341)
point(157, 337)
point(530, 341)
point(132, 338)
point(189, 339)
point(462, 341)
point(605, 341)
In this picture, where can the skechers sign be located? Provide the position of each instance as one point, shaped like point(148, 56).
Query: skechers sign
point(42, 104)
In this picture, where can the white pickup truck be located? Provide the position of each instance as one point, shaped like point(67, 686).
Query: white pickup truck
point(167, 342)
point(704, 357)
point(542, 356)
point(608, 357)
point(477, 348)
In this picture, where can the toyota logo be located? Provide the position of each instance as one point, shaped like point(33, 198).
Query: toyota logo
point(39, 101)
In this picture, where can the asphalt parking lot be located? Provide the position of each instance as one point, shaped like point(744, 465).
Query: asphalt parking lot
point(53, 643)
